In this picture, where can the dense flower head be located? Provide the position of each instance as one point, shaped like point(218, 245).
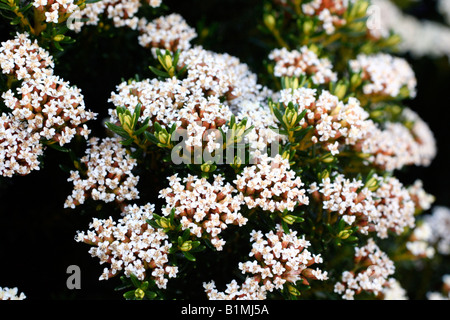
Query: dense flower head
point(24, 58)
point(385, 74)
point(19, 149)
point(439, 222)
point(219, 74)
point(372, 276)
point(50, 106)
point(205, 208)
point(131, 246)
point(388, 208)
point(336, 124)
point(279, 258)
point(304, 61)
point(249, 290)
point(330, 13)
point(55, 11)
point(174, 102)
point(419, 243)
point(271, 185)
point(261, 118)
point(394, 145)
point(169, 32)
point(108, 176)
point(121, 12)
point(393, 290)
point(421, 198)
point(11, 294)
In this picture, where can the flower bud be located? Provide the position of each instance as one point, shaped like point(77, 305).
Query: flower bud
point(186, 246)
point(269, 21)
point(139, 293)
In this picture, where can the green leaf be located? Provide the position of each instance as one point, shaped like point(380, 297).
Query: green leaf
point(130, 295)
point(189, 256)
point(159, 73)
point(118, 130)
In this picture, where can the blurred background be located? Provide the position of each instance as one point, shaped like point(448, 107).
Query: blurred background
point(37, 234)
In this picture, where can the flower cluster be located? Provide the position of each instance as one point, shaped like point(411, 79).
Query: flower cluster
point(295, 63)
point(388, 208)
point(25, 59)
point(384, 75)
point(372, 271)
point(204, 208)
point(439, 222)
point(51, 107)
point(55, 10)
point(121, 12)
point(249, 290)
point(131, 246)
point(166, 32)
point(393, 291)
point(395, 145)
point(419, 242)
point(11, 294)
point(335, 124)
point(422, 199)
point(173, 102)
point(329, 13)
point(260, 117)
point(19, 149)
point(45, 107)
point(108, 176)
point(220, 74)
point(280, 258)
point(271, 185)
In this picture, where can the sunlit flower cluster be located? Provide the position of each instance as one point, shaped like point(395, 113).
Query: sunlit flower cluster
point(384, 75)
point(260, 117)
point(388, 208)
point(169, 32)
point(25, 59)
point(51, 107)
point(372, 275)
point(107, 175)
point(130, 246)
point(335, 124)
point(121, 12)
point(330, 13)
point(55, 10)
point(249, 290)
point(295, 63)
point(419, 243)
point(280, 258)
point(11, 294)
point(393, 291)
point(395, 145)
point(174, 102)
point(271, 185)
point(205, 208)
point(421, 198)
point(439, 222)
point(19, 149)
point(219, 74)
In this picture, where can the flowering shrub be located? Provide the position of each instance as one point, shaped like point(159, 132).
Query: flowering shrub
point(198, 177)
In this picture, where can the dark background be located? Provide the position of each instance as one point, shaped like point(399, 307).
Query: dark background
point(37, 233)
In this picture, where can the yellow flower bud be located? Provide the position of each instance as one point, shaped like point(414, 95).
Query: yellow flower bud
point(139, 293)
point(186, 246)
point(269, 21)
point(58, 37)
